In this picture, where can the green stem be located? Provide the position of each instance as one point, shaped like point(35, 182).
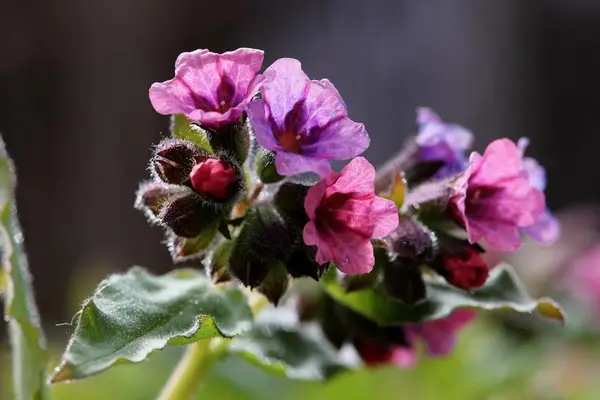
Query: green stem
point(193, 368)
point(199, 359)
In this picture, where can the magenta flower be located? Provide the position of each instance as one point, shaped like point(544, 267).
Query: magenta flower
point(493, 198)
point(546, 228)
point(439, 141)
point(304, 122)
point(438, 335)
point(583, 281)
point(209, 88)
point(344, 214)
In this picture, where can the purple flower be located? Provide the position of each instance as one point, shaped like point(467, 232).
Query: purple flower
point(209, 88)
point(439, 141)
point(494, 198)
point(304, 122)
point(546, 228)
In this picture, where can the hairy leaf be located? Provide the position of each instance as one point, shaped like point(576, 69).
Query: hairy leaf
point(133, 314)
point(503, 290)
point(280, 345)
point(26, 336)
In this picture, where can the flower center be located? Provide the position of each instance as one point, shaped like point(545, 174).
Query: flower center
point(291, 141)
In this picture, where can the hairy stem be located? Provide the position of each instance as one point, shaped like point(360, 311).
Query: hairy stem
point(401, 161)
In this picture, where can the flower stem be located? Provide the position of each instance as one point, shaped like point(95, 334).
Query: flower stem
point(193, 368)
point(199, 358)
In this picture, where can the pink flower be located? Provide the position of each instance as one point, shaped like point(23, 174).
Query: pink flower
point(438, 335)
point(209, 88)
point(344, 214)
point(213, 177)
point(583, 280)
point(493, 198)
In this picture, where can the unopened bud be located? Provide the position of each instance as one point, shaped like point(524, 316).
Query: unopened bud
point(265, 237)
point(413, 241)
point(265, 167)
point(275, 283)
point(173, 160)
point(214, 178)
point(151, 197)
point(466, 270)
point(187, 215)
point(219, 262)
point(402, 280)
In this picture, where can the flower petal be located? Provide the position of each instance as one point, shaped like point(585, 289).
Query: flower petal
point(352, 253)
point(312, 238)
point(384, 217)
point(322, 105)
point(340, 140)
point(171, 97)
point(241, 67)
point(404, 356)
point(499, 235)
point(293, 164)
point(501, 161)
point(284, 86)
point(545, 230)
point(263, 130)
point(358, 176)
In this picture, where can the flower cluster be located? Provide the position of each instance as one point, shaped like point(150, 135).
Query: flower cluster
point(245, 186)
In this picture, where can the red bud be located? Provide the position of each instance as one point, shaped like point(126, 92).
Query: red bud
point(466, 270)
point(213, 177)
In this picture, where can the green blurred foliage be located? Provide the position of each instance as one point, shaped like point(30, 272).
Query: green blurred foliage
point(486, 364)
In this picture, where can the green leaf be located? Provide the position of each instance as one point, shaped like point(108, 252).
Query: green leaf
point(280, 345)
point(133, 314)
point(26, 336)
point(503, 290)
point(183, 128)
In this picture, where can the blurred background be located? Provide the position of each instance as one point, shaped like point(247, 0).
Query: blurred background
point(74, 111)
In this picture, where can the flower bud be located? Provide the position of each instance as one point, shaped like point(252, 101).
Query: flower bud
point(403, 281)
point(265, 167)
point(232, 138)
point(265, 237)
point(275, 283)
point(151, 197)
point(413, 241)
point(466, 270)
point(173, 160)
point(187, 215)
point(301, 262)
point(218, 262)
point(214, 178)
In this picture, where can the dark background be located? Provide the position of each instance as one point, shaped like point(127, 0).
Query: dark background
point(74, 108)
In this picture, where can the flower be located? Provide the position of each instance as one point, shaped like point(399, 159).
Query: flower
point(374, 353)
point(344, 214)
point(546, 228)
point(439, 141)
point(304, 122)
point(466, 270)
point(213, 177)
point(209, 88)
point(493, 198)
point(583, 280)
point(439, 336)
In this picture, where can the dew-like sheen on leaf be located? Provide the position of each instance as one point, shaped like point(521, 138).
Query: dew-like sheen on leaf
point(503, 290)
point(133, 314)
